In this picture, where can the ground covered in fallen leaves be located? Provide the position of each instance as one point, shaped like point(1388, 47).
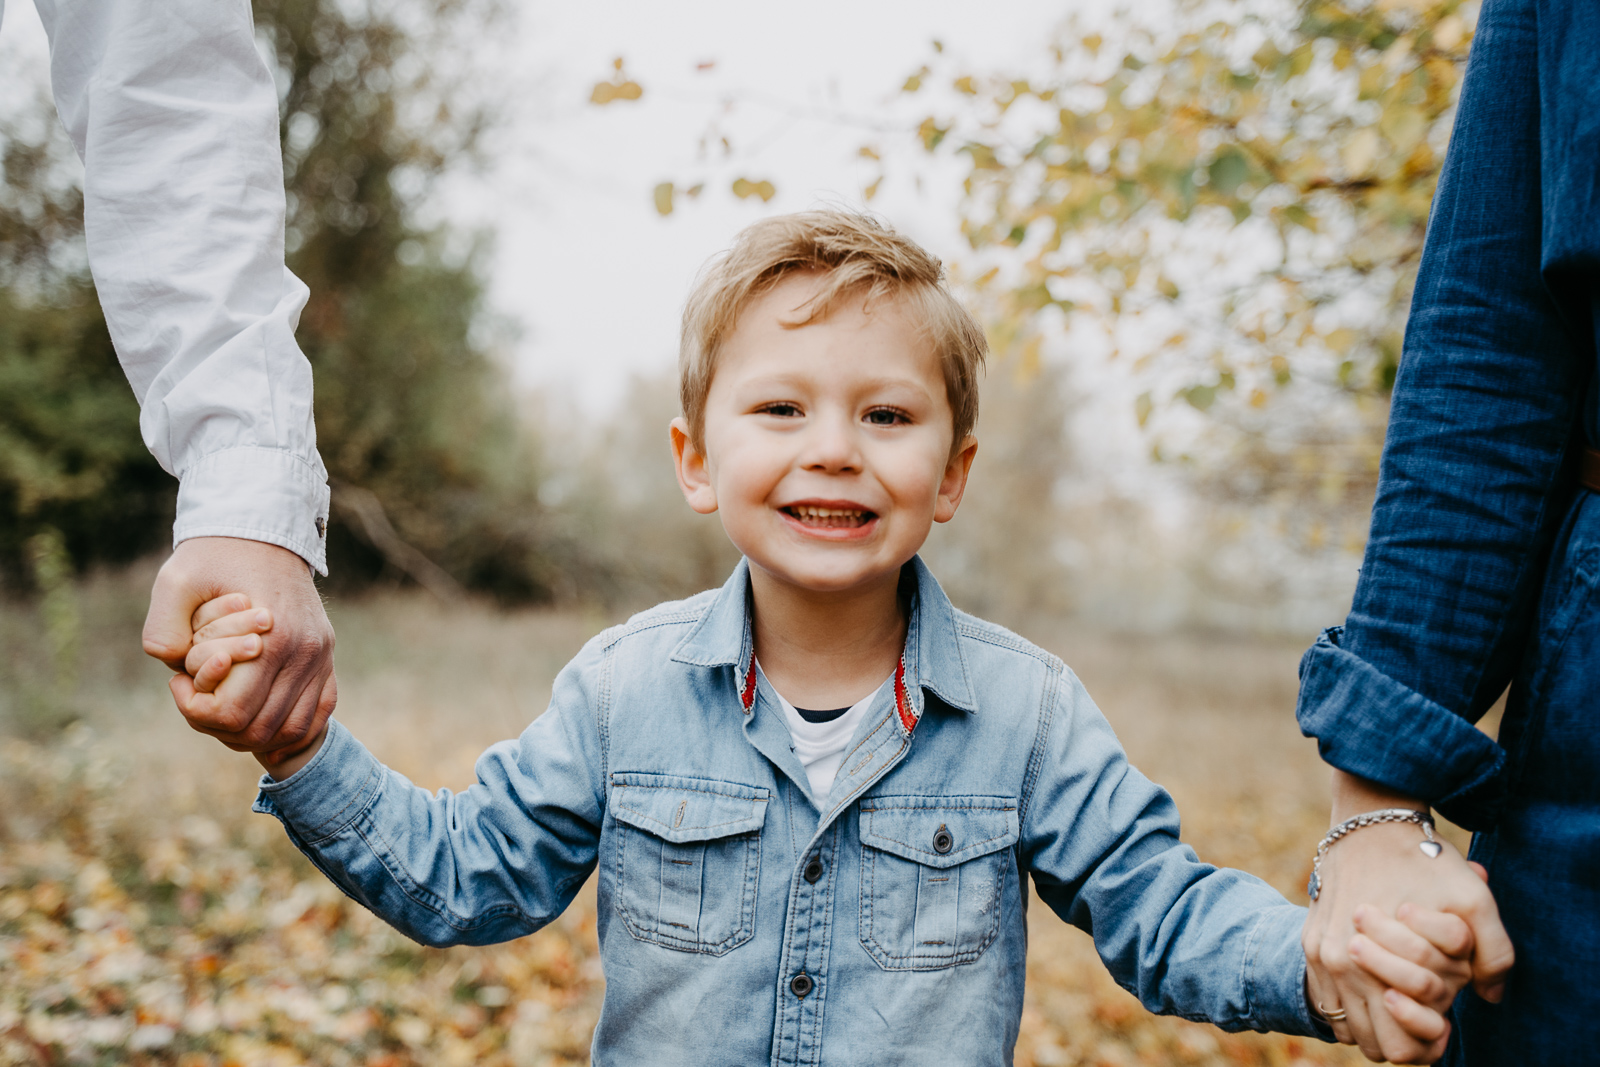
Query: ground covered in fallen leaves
point(146, 917)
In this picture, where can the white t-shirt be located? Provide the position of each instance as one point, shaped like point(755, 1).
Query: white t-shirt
point(821, 745)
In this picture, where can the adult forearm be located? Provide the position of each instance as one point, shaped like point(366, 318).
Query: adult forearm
point(1354, 796)
point(1474, 479)
point(175, 115)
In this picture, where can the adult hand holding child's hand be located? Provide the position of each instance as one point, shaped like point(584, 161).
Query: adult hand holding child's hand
point(1372, 882)
point(276, 698)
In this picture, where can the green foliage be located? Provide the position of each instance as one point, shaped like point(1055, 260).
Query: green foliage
point(1249, 182)
point(411, 407)
point(72, 466)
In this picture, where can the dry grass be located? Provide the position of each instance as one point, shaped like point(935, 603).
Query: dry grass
point(147, 918)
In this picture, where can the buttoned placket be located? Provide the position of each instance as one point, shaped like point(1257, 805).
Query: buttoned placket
point(802, 978)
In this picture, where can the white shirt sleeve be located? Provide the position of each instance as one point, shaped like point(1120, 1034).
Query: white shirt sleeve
point(175, 115)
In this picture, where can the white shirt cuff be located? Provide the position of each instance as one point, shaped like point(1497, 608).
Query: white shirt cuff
point(260, 494)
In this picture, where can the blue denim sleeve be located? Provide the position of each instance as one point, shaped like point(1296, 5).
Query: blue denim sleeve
point(1475, 475)
point(489, 864)
point(1207, 943)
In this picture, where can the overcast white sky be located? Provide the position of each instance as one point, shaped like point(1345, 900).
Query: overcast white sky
point(584, 266)
point(596, 276)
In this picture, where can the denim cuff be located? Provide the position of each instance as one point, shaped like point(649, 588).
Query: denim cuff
point(1370, 725)
point(1275, 976)
point(325, 796)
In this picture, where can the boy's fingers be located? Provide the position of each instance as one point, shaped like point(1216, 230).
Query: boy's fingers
point(202, 657)
point(1448, 933)
point(216, 608)
point(1480, 870)
point(194, 704)
point(1397, 1041)
point(258, 621)
point(1398, 937)
point(212, 672)
point(1422, 1023)
point(1412, 979)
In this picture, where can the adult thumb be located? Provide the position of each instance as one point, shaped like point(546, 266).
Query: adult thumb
point(169, 625)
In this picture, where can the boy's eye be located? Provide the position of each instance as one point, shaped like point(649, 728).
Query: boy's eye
point(885, 417)
point(782, 410)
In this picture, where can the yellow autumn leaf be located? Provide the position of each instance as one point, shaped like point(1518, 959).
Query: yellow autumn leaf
point(1360, 152)
point(744, 188)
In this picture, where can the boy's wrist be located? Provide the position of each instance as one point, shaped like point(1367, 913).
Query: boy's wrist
point(285, 763)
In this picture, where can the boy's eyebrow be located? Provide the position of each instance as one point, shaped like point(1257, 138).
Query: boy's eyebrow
point(769, 382)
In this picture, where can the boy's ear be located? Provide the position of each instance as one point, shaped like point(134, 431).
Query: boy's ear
point(954, 485)
point(693, 476)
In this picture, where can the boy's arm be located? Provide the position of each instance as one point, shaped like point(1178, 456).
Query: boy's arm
point(494, 862)
point(1186, 938)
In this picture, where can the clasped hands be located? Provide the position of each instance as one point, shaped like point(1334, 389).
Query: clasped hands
point(1393, 937)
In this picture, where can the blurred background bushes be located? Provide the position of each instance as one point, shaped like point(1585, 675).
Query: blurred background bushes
point(1113, 188)
point(414, 415)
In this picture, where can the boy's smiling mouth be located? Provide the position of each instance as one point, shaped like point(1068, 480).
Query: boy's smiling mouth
point(829, 516)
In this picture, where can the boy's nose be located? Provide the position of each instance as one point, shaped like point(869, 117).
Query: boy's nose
point(831, 446)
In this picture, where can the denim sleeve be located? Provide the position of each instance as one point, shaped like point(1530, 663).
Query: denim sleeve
point(1474, 478)
point(489, 864)
point(1210, 944)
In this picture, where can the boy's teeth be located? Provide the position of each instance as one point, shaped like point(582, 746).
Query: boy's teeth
point(816, 516)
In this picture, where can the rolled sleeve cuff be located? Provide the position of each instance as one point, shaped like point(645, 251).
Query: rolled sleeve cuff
point(260, 494)
point(1275, 976)
point(1372, 726)
point(324, 797)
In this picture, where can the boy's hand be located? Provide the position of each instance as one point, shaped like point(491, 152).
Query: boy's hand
point(1425, 958)
point(227, 631)
point(1381, 866)
point(281, 700)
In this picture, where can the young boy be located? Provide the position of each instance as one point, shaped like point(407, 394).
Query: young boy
point(814, 796)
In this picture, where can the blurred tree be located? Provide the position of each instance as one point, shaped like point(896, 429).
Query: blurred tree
point(414, 419)
point(1238, 194)
point(73, 472)
point(413, 416)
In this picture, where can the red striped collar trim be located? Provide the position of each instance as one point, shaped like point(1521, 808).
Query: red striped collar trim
point(748, 696)
point(902, 700)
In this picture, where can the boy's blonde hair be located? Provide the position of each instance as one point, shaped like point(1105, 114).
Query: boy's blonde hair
point(860, 256)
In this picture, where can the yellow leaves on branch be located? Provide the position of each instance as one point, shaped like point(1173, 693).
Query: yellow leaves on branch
point(744, 189)
point(1331, 127)
point(666, 194)
point(618, 87)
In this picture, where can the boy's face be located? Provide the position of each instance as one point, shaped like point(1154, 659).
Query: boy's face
point(827, 446)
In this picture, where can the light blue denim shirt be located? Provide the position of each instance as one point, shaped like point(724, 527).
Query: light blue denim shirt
point(744, 921)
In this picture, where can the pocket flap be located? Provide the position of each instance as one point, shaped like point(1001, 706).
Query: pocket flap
point(681, 810)
point(939, 831)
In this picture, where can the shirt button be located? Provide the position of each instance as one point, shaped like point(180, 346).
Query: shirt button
point(813, 870)
point(800, 985)
point(942, 841)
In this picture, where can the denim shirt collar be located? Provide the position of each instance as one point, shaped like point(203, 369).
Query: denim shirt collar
point(723, 637)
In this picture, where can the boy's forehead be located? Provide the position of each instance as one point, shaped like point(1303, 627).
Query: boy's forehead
point(847, 348)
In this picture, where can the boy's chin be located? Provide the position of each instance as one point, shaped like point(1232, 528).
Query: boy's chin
point(830, 577)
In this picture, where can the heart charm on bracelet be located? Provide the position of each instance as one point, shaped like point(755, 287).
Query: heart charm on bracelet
point(1430, 849)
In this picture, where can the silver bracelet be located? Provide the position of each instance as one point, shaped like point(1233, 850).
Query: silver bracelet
point(1430, 848)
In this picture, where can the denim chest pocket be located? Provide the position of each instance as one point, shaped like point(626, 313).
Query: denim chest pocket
point(688, 853)
point(933, 874)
